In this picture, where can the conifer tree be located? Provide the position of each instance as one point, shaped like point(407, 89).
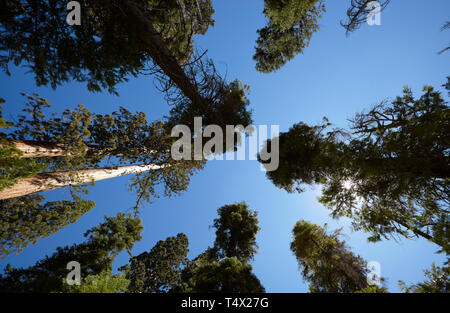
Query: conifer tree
point(225, 267)
point(128, 141)
point(159, 269)
point(24, 220)
point(96, 255)
point(389, 172)
point(326, 263)
point(291, 24)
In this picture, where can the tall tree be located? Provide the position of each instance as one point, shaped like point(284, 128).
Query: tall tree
point(291, 24)
point(85, 141)
point(289, 30)
point(225, 267)
point(58, 52)
point(55, 180)
point(26, 219)
point(326, 263)
point(159, 269)
point(225, 275)
point(236, 229)
point(389, 173)
point(95, 255)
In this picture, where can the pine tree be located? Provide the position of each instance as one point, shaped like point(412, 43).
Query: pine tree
point(326, 263)
point(291, 24)
point(26, 219)
point(91, 52)
point(95, 255)
point(225, 267)
point(388, 173)
point(111, 44)
point(84, 140)
point(290, 28)
point(159, 269)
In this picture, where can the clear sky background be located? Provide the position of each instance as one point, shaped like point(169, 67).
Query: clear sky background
point(336, 77)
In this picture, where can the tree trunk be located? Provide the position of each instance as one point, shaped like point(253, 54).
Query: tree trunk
point(55, 180)
point(164, 58)
point(38, 149)
point(41, 149)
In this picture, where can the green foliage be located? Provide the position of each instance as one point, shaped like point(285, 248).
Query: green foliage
point(326, 263)
point(225, 268)
point(121, 138)
point(291, 26)
point(306, 156)
point(95, 255)
point(438, 281)
point(12, 166)
point(57, 52)
point(104, 282)
point(285, 13)
point(388, 173)
point(236, 229)
point(24, 220)
point(226, 275)
point(158, 270)
point(372, 289)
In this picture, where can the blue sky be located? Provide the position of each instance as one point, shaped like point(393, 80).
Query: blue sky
point(336, 77)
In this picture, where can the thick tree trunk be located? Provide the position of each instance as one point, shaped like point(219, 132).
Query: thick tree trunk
point(41, 149)
point(164, 58)
point(55, 180)
point(37, 149)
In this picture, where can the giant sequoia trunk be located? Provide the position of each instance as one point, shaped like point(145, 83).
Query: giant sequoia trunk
point(41, 149)
point(55, 180)
point(38, 149)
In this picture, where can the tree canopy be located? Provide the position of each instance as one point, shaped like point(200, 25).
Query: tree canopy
point(289, 30)
point(291, 24)
point(388, 173)
point(225, 267)
point(236, 229)
point(24, 220)
point(159, 269)
point(222, 268)
point(96, 255)
point(104, 282)
point(88, 140)
point(325, 261)
point(57, 52)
